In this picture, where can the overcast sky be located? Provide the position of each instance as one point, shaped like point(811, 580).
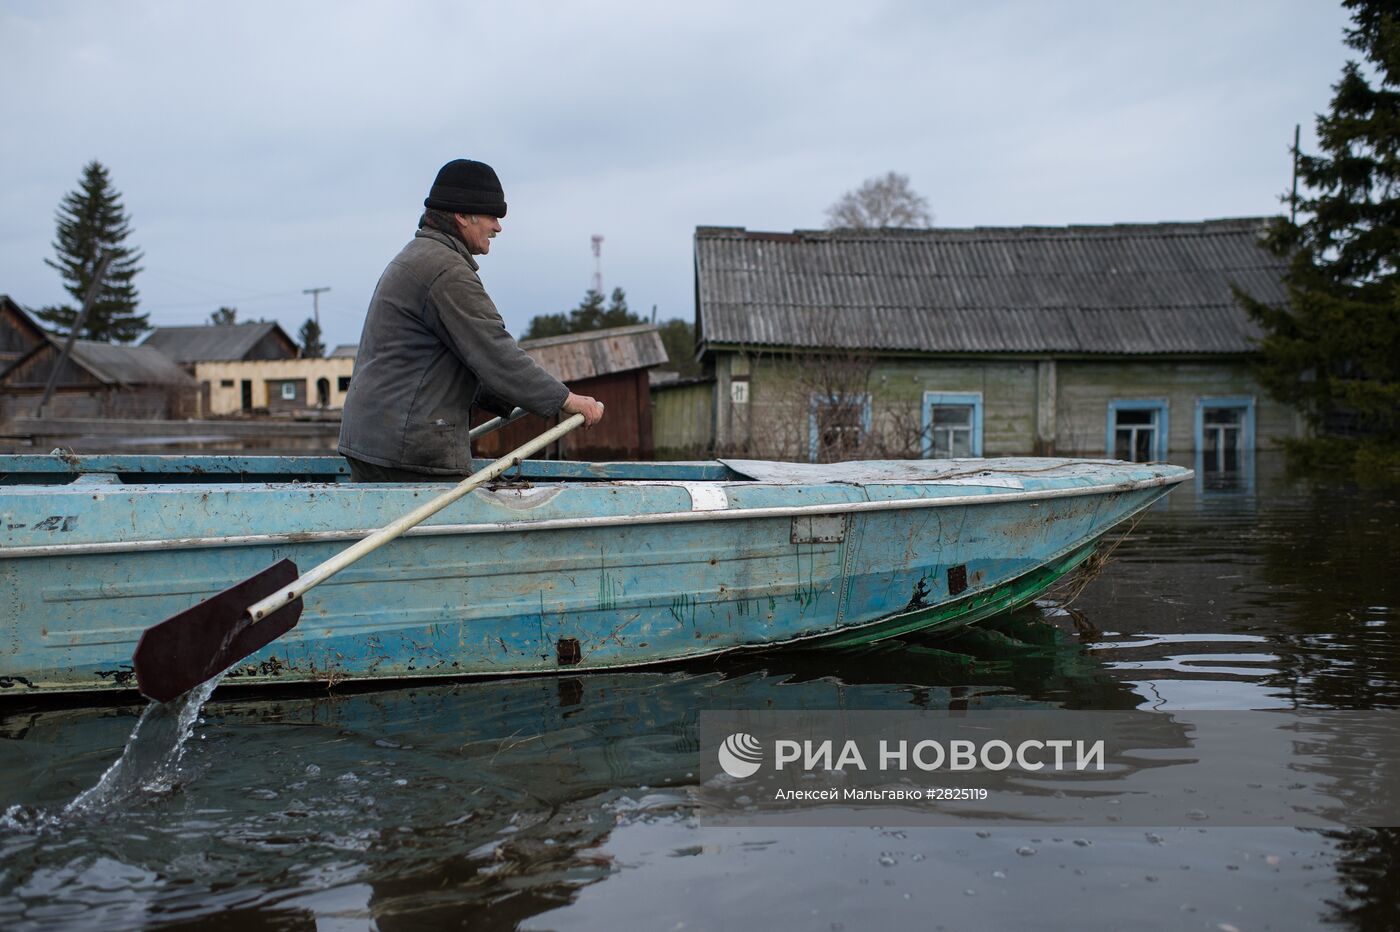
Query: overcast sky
point(264, 148)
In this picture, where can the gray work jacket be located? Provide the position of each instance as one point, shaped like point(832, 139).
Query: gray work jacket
point(433, 346)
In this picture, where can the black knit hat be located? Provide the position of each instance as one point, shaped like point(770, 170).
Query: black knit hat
point(467, 187)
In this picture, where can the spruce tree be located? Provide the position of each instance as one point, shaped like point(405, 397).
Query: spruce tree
point(617, 314)
point(678, 336)
point(546, 325)
point(1334, 348)
point(589, 315)
point(224, 315)
point(310, 336)
point(91, 221)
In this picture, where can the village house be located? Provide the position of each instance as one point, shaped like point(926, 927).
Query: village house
point(611, 365)
point(277, 386)
point(1122, 341)
point(96, 380)
point(254, 367)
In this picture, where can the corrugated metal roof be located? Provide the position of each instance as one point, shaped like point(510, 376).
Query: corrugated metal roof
point(114, 364)
point(598, 352)
point(26, 322)
point(1127, 288)
point(210, 342)
point(109, 363)
point(344, 350)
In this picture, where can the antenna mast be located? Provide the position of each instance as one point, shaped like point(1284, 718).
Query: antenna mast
point(598, 262)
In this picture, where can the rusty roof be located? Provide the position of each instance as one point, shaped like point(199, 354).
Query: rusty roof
point(592, 353)
point(1122, 289)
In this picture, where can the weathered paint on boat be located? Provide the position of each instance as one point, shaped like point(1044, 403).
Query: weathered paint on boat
point(573, 566)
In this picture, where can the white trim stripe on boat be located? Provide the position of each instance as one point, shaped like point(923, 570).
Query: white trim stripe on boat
point(554, 524)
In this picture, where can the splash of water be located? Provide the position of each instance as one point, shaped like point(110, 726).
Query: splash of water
point(150, 761)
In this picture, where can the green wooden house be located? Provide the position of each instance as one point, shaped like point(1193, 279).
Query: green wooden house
point(1121, 341)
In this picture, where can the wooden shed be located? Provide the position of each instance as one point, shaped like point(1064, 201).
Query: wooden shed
point(612, 366)
point(96, 380)
point(18, 332)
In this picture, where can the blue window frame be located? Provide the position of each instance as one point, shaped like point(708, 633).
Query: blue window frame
point(1224, 432)
point(1137, 430)
point(952, 424)
point(837, 426)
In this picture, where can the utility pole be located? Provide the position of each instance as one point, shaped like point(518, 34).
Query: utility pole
point(89, 300)
point(598, 263)
point(315, 302)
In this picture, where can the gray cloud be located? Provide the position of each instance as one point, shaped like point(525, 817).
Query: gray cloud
point(263, 148)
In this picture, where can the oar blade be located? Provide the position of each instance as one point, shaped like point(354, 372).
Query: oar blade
point(183, 651)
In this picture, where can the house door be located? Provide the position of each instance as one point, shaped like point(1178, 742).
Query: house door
point(247, 396)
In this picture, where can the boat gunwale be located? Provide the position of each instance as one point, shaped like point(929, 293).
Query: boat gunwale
point(553, 524)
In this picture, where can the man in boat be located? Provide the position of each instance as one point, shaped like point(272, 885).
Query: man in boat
point(434, 346)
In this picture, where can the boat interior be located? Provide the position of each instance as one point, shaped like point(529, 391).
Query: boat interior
point(65, 468)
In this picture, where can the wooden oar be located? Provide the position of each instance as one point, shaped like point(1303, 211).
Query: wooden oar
point(183, 651)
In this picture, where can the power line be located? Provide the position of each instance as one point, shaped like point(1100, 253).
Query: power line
point(226, 300)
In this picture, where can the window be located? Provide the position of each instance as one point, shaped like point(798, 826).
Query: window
point(952, 424)
point(1135, 436)
point(226, 383)
point(837, 427)
point(343, 383)
point(289, 391)
point(1137, 431)
point(1224, 433)
point(1221, 430)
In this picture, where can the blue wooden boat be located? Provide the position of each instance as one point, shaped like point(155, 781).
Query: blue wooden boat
point(559, 566)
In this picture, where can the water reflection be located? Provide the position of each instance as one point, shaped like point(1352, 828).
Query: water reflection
point(492, 795)
point(1219, 474)
point(559, 801)
point(1368, 861)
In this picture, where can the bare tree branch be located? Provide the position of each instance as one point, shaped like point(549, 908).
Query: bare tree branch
point(823, 403)
point(880, 203)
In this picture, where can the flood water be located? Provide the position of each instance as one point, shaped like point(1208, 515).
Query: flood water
point(560, 803)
